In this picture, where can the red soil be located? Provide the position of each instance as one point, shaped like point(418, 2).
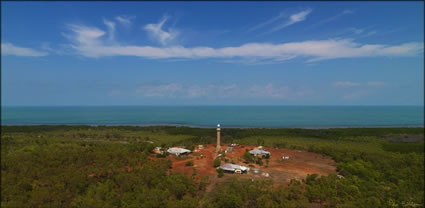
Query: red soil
point(299, 164)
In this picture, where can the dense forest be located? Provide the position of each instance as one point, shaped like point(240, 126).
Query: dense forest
point(109, 166)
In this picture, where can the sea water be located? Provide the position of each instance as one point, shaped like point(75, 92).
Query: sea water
point(227, 116)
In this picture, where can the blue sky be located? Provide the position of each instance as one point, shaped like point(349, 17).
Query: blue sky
point(212, 53)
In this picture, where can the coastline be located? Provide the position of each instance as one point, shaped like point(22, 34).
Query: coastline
point(229, 127)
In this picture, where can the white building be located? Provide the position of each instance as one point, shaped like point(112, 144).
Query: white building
point(178, 151)
point(261, 152)
point(233, 168)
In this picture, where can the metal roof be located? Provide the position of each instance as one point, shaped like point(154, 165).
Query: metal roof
point(177, 150)
point(233, 167)
point(259, 152)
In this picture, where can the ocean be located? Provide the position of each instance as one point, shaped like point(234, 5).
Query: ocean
point(227, 116)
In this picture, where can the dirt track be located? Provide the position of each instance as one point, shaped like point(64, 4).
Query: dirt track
point(299, 164)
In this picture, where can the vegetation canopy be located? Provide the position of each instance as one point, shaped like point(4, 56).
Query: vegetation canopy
point(113, 166)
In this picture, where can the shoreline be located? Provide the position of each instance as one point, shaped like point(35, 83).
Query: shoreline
point(229, 127)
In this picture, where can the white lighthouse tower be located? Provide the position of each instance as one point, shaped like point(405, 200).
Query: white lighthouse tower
point(218, 138)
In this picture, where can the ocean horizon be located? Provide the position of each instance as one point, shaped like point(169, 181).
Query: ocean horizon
point(209, 116)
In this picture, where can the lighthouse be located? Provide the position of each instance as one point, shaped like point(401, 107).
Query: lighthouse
point(218, 138)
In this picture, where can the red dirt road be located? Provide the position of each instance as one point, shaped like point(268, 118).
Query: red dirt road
point(298, 166)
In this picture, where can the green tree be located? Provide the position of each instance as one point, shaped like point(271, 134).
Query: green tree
point(217, 162)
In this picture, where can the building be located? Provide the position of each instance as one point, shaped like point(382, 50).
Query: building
point(261, 152)
point(218, 139)
point(178, 151)
point(228, 167)
point(229, 149)
point(158, 150)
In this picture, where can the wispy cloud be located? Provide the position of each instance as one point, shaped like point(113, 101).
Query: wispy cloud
point(176, 90)
point(358, 84)
point(114, 93)
point(269, 91)
point(10, 49)
point(298, 17)
point(356, 94)
point(111, 28)
point(125, 20)
point(345, 84)
point(261, 25)
point(357, 33)
point(332, 18)
point(160, 35)
point(376, 83)
point(355, 90)
point(89, 42)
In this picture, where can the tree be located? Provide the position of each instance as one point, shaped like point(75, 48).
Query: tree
point(217, 162)
point(220, 172)
point(189, 163)
point(248, 157)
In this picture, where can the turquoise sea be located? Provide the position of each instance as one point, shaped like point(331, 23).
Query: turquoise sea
point(227, 116)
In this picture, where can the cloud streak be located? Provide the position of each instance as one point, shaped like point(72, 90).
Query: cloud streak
point(125, 20)
point(274, 19)
point(358, 84)
point(345, 84)
point(333, 18)
point(89, 42)
point(176, 90)
point(10, 49)
point(158, 34)
point(111, 28)
point(295, 18)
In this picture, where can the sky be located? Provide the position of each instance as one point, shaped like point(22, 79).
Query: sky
point(212, 53)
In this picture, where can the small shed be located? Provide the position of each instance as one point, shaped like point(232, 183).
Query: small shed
point(229, 149)
point(158, 150)
point(261, 152)
point(233, 168)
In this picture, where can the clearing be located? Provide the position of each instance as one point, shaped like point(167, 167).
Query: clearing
point(281, 171)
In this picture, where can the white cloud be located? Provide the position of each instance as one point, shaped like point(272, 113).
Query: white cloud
point(356, 31)
point(114, 92)
point(298, 17)
point(376, 83)
point(357, 84)
point(163, 90)
point(111, 28)
point(85, 36)
point(10, 49)
point(355, 90)
point(269, 91)
point(125, 20)
point(216, 91)
point(89, 42)
point(345, 84)
point(158, 34)
point(274, 19)
point(333, 18)
point(356, 94)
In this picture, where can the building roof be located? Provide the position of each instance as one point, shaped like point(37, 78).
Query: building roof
point(178, 150)
point(259, 152)
point(233, 167)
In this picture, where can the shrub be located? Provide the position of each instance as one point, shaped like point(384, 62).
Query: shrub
point(259, 161)
point(220, 172)
point(217, 162)
point(194, 172)
point(189, 163)
point(248, 157)
point(163, 155)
